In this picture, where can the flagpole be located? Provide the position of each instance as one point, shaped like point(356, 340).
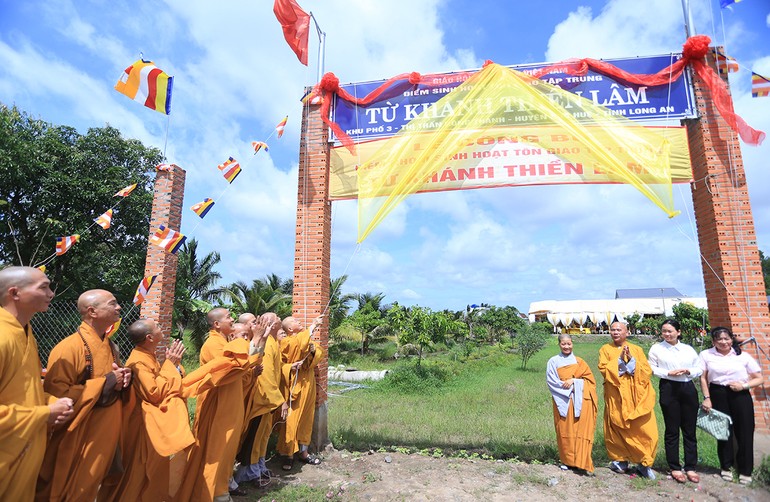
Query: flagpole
point(689, 26)
point(321, 47)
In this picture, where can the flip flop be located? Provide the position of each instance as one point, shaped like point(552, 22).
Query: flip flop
point(309, 460)
point(288, 463)
point(693, 477)
point(679, 476)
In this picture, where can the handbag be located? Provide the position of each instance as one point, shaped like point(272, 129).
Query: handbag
point(715, 423)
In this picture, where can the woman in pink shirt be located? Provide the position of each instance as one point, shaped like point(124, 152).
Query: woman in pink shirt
point(725, 382)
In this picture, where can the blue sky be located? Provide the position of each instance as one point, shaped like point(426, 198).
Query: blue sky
point(235, 78)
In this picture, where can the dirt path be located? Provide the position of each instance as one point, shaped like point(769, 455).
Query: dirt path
point(394, 476)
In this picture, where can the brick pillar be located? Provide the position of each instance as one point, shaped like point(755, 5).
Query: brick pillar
point(313, 251)
point(732, 272)
point(167, 203)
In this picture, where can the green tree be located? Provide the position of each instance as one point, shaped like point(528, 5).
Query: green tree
point(694, 322)
point(261, 297)
point(195, 291)
point(531, 340)
point(765, 261)
point(55, 181)
point(501, 321)
point(420, 326)
point(372, 325)
point(338, 303)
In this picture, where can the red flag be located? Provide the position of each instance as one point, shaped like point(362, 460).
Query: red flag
point(296, 26)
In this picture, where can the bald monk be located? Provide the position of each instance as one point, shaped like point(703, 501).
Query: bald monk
point(630, 428)
point(159, 425)
point(26, 411)
point(85, 367)
point(299, 357)
point(266, 398)
point(218, 425)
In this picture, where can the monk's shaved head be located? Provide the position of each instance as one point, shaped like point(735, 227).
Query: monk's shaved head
point(247, 318)
point(92, 298)
point(139, 330)
point(17, 277)
point(216, 315)
point(241, 330)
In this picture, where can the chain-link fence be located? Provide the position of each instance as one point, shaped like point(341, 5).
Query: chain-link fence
point(62, 319)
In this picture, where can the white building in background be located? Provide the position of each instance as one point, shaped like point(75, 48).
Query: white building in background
point(581, 315)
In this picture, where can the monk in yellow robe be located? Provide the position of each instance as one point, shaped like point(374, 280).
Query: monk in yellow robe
point(575, 406)
point(218, 384)
point(85, 367)
point(299, 356)
point(266, 398)
point(630, 428)
point(159, 426)
point(26, 411)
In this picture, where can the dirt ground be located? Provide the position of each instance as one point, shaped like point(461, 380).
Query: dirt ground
point(376, 476)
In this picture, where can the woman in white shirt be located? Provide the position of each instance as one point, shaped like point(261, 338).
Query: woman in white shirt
point(676, 364)
point(726, 380)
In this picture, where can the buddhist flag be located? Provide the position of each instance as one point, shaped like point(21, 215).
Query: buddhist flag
point(165, 167)
point(296, 26)
point(258, 145)
point(113, 328)
point(125, 192)
point(281, 126)
point(147, 84)
point(726, 64)
point(168, 239)
point(230, 169)
point(311, 98)
point(42, 268)
point(202, 208)
point(105, 220)
point(143, 288)
point(760, 86)
point(63, 244)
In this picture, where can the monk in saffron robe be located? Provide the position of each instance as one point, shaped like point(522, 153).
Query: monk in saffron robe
point(266, 398)
point(26, 412)
point(218, 425)
point(299, 358)
point(85, 367)
point(575, 406)
point(159, 425)
point(630, 428)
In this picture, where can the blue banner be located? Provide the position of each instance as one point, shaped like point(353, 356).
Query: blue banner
point(386, 117)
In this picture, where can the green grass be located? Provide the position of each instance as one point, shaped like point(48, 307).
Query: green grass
point(487, 405)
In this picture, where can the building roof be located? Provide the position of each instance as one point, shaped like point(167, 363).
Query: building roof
point(648, 293)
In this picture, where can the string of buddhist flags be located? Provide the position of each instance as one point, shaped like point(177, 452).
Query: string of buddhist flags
point(760, 85)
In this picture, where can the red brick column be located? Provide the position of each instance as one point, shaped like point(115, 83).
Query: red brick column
point(732, 272)
point(313, 250)
point(167, 203)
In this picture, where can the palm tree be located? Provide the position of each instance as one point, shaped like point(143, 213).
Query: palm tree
point(338, 303)
point(195, 291)
point(269, 295)
point(372, 299)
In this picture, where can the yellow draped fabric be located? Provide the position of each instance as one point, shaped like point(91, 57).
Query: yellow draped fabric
point(630, 428)
point(23, 411)
point(610, 144)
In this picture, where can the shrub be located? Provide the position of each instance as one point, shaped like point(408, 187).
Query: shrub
point(531, 340)
point(761, 474)
point(412, 379)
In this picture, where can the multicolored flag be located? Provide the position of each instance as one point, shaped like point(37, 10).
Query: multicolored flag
point(281, 126)
point(258, 145)
point(105, 220)
point(165, 167)
point(113, 328)
point(147, 84)
point(230, 169)
point(311, 98)
point(168, 239)
point(125, 192)
point(63, 244)
point(726, 64)
point(143, 289)
point(296, 26)
point(726, 3)
point(202, 208)
point(760, 86)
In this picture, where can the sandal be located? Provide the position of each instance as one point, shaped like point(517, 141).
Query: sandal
point(679, 476)
point(744, 480)
point(693, 477)
point(727, 476)
point(310, 459)
point(288, 463)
